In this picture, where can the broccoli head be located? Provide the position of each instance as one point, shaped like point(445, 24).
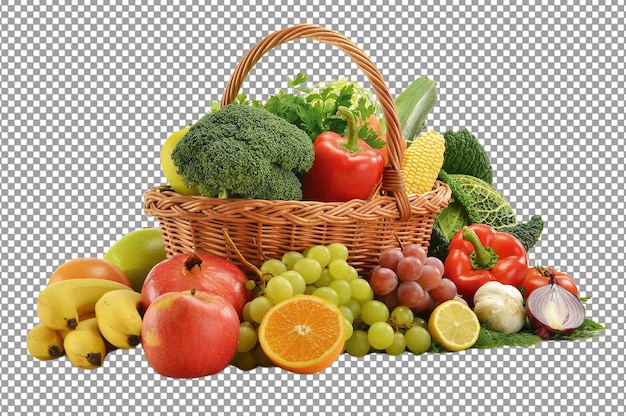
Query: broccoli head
point(244, 152)
point(465, 155)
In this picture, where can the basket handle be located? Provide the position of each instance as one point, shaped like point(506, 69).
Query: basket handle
point(393, 181)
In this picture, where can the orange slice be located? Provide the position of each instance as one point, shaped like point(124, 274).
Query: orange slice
point(304, 334)
point(454, 325)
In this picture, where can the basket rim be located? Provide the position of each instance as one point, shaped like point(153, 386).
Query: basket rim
point(163, 201)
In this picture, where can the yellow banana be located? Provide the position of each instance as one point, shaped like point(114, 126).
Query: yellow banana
point(61, 305)
point(81, 317)
point(44, 343)
point(85, 346)
point(119, 319)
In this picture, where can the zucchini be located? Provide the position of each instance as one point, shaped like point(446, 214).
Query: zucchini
point(413, 105)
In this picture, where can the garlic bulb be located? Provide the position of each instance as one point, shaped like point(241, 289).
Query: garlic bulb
point(500, 307)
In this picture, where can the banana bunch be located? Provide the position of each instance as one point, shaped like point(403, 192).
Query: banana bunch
point(84, 319)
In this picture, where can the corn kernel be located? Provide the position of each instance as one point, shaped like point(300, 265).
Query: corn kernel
point(422, 161)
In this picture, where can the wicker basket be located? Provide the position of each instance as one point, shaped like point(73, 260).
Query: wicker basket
point(267, 229)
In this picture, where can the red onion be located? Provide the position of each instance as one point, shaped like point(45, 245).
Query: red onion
point(553, 310)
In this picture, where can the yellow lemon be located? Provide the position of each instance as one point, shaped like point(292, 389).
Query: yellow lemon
point(454, 325)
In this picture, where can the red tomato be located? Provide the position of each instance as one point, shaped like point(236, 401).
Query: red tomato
point(539, 276)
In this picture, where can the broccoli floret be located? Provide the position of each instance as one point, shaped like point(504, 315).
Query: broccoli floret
point(245, 152)
point(465, 155)
point(528, 232)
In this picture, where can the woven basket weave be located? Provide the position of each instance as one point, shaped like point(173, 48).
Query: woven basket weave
point(267, 229)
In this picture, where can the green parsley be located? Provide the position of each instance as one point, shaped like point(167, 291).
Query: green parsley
point(314, 110)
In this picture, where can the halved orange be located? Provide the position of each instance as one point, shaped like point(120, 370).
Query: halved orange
point(304, 334)
point(454, 325)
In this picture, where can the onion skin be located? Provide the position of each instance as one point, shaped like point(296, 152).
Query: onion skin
point(551, 309)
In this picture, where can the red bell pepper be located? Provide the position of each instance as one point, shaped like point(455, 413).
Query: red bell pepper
point(479, 254)
point(344, 168)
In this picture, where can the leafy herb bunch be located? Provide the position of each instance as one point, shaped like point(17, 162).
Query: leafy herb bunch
point(314, 110)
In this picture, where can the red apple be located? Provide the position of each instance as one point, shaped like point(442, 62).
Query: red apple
point(189, 334)
point(200, 270)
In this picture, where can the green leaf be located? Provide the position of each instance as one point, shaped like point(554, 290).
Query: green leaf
point(241, 98)
point(588, 329)
point(364, 109)
point(344, 99)
point(371, 138)
point(494, 339)
point(215, 105)
point(314, 110)
point(287, 106)
point(299, 79)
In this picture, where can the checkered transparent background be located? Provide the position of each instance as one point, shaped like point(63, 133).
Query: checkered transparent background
point(88, 93)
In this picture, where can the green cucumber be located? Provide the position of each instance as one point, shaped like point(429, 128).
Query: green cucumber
point(413, 105)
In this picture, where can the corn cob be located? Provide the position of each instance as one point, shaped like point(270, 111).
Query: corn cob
point(422, 161)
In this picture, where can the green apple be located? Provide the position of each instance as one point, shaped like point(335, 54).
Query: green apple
point(136, 253)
